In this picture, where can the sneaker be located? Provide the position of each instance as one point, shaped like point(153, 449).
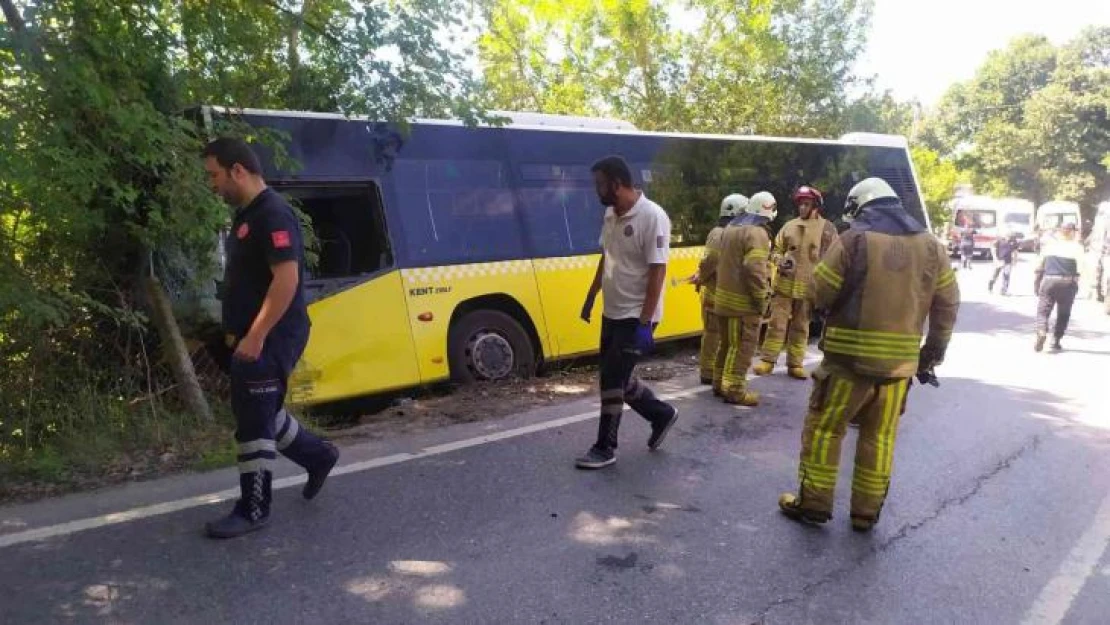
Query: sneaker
point(316, 478)
point(763, 368)
point(791, 508)
point(747, 398)
point(234, 525)
point(1039, 345)
point(658, 433)
point(1056, 346)
point(596, 458)
point(798, 373)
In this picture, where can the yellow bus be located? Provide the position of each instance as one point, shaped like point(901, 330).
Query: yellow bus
point(464, 253)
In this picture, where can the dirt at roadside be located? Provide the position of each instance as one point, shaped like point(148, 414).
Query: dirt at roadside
point(426, 411)
point(419, 412)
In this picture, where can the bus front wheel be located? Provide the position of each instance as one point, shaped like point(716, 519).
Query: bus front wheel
point(489, 345)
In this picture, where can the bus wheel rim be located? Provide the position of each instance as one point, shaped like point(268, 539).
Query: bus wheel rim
point(491, 355)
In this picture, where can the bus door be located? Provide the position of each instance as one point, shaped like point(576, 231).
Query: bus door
point(361, 342)
point(562, 218)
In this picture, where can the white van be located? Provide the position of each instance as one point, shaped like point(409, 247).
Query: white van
point(1017, 218)
point(979, 213)
point(1053, 215)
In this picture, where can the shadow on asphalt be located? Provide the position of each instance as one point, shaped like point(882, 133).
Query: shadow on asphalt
point(443, 540)
point(987, 318)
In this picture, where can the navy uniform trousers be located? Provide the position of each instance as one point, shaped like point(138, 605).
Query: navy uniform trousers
point(262, 425)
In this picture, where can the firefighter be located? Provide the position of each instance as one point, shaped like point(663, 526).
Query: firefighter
point(878, 283)
point(265, 317)
point(705, 280)
point(800, 244)
point(742, 290)
point(1056, 283)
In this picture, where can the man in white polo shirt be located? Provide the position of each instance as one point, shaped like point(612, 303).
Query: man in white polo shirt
point(635, 241)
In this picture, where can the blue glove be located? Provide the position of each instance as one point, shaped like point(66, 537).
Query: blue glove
point(643, 341)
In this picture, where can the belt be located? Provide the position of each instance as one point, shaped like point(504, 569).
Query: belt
point(1055, 276)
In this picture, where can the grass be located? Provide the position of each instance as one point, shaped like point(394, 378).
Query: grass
point(113, 443)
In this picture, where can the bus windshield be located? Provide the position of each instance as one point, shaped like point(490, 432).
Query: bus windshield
point(966, 218)
point(1017, 218)
point(1059, 220)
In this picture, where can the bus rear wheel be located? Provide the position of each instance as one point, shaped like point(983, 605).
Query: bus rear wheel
point(489, 345)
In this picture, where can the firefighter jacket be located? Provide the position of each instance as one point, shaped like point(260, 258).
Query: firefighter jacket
point(743, 273)
point(799, 246)
point(878, 288)
point(707, 268)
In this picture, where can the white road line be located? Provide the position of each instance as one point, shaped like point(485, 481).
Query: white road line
point(80, 525)
point(1057, 597)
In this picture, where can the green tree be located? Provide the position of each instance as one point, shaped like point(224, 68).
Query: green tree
point(1034, 121)
point(99, 171)
point(735, 67)
point(938, 178)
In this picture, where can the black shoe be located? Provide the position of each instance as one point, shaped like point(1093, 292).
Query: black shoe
point(659, 431)
point(1056, 346)
point(707, 381)
point(234, 525)
point(596, 458)
point(316, 477)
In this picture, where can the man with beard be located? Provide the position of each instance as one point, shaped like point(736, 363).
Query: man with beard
point(635, 242)
point(266, 321)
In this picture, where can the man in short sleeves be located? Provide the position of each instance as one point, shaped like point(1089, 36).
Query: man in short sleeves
point(635, 241)
point(265, 318)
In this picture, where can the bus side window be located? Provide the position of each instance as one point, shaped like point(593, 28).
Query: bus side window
point(457, 211)
point(560, 210)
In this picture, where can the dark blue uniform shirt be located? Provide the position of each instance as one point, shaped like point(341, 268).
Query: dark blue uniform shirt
point(264, 233)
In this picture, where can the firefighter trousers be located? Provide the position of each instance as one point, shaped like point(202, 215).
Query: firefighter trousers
point(710, 341)
point(619, 384)
point(789, 327)
point(1058, 292)
point(839, 397)
point(739, 341)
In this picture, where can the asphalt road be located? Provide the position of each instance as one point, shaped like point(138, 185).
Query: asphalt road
point(999, 513)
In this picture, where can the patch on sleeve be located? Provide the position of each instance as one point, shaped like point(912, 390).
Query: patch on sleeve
point(281, 238)
point(660, 242)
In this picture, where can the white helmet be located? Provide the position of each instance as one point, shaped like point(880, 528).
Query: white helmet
point(866, 191)
point(762, 204)
point(733, 205)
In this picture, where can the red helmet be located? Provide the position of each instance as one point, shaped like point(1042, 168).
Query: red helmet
point(805, 192)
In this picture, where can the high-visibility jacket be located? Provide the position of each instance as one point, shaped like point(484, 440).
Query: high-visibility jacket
point(878, 290)
point(707, 268)
point(743, 283)
point(803, 241)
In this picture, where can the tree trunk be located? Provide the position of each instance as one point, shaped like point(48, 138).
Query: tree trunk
point(175, 351)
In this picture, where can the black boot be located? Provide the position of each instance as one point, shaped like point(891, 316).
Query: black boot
point(251, 512)
point(316, 476)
